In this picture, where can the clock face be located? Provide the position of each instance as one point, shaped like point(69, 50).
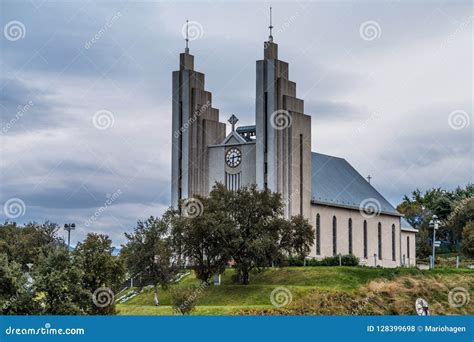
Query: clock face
point(233, 157)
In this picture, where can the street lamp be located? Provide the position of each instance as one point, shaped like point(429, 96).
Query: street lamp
point(434, 223)
point(68, 227)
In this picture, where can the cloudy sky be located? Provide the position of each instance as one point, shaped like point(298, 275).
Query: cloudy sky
point(86, 110)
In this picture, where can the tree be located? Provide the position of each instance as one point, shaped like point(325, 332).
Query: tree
point(26, 244)
point(16, 297)
point(462, 214)
point(205, 238)
point(297, 236)
point(255, 230)
point(468, 240)
point(150, 251)
point(58, 284)
point(101, 269)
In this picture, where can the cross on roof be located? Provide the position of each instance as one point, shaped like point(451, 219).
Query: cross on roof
point(233, 120)
point(369, 177)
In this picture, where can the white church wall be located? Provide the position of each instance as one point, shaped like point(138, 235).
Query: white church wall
point(408, 242)
point(342, 217)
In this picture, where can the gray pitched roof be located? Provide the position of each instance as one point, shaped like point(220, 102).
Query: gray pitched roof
point(335, 182)
point(405, 225)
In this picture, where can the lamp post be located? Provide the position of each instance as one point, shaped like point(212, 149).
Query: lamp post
point(434, 223)
point(68, 227)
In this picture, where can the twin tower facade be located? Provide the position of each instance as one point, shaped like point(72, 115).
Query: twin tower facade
point(349, 215)
point(275, 153)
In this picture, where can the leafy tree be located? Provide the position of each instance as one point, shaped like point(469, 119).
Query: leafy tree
point(150, 251)
point(462, 214)
point(255, 231)
point(420, 207)
point(468, 240)
point(205, 238)
point(297, 236)
point(101, 269)
point(26, 244)
point(16, 298)
point(58, 284)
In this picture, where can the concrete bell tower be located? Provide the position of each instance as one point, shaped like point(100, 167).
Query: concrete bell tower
point(195, 125)
point(283, 147)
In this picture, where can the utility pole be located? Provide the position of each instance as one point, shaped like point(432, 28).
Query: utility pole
point(434, 223)
point(68, 227)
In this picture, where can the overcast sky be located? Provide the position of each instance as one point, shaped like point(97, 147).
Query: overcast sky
point(388, 86)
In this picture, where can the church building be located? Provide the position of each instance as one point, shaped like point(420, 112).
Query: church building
point(348, 214)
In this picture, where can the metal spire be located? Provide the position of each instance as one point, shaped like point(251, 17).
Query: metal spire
point(270, 38)
point(186, 50)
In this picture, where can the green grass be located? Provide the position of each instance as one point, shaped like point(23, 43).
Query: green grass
point(230, 297)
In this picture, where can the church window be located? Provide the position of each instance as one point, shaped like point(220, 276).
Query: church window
point(350, 236)
point(334, 235)
point(318, 234)
point(393, 242)
point(380, 240)
point(365, 239)
point(408, 247)
point(301, 174)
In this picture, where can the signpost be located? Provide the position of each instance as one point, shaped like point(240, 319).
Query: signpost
point(434, 223)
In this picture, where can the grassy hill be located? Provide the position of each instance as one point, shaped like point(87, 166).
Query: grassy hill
point(319, 290)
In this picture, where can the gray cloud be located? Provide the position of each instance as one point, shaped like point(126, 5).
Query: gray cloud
point(368, 99)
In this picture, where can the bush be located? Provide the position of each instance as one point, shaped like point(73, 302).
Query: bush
point(313, 262)
point(295, 261)
point(346, 260)
point(183, 300)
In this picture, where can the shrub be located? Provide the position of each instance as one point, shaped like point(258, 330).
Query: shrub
point(295, 261)
point(183, 300)
point(313, 262)
point(346, 260)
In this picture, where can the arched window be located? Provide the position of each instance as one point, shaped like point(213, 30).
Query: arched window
point(318, 234)
point(365, 239)
point(408, 247)
point(350, 235)
point(393, 242)
point(334, 235)
point(379, 230)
